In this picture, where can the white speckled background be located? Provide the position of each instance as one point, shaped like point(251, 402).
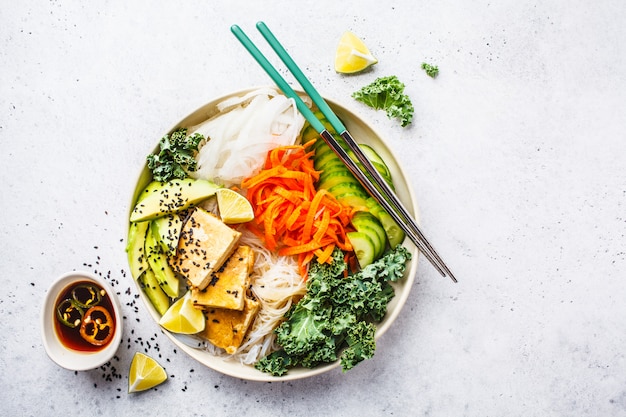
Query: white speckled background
point(517, 156)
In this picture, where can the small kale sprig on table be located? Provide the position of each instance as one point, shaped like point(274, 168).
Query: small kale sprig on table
point(431, 70)
point(176, 157)
point(387, 93)
point(335, 317)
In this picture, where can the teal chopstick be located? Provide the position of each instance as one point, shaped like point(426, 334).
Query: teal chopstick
point(277, 78)
point(301, 78)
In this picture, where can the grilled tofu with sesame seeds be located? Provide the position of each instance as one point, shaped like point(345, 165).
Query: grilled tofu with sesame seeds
point(205, 244)
point(226, 328)
point(227, 288)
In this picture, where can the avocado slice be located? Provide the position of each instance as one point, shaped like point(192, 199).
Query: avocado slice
point(157, 260)
point(171, 197)
point(154, 292)
point(137, 259)
point(166, 232)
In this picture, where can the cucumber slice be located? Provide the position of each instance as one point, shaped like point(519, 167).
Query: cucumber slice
point(309, 134)
point(379, 245)
point(347, 188)
point(336, 178)
point(395, 235)
point(355, 200)
point(376, 160)
point(154, 292)
point(334, 170)
point(377, 163)
point(331, 166)
point(366, 222)
point(324, 158)
point(363, 247)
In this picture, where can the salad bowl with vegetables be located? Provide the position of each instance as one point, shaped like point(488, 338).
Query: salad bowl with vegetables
point(257, 251)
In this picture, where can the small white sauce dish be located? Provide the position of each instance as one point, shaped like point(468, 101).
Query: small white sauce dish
point(65, 357)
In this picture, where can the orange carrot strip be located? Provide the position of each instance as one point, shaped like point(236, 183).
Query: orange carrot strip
point(325, 255)
point(312, 213)
point(263, 175)
point(294, 250)
point(291, 216)
point(322, 227)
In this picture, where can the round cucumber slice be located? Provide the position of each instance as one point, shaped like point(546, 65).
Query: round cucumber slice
point(367, 223)
point(363, 247)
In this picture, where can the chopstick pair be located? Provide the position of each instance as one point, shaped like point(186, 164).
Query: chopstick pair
point(379, 189)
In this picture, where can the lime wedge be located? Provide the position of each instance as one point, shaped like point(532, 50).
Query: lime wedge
point(145, 373)
point(182, 317)
point(234, 208)
point(352, 55)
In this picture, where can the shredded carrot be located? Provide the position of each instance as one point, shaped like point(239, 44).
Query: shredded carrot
point(291, 216)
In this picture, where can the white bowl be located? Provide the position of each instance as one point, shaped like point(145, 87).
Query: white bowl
point(363, 133)
point(65, 357)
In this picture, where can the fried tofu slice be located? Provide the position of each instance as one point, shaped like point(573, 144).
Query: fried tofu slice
point(205, 244)
point(227, 288)
point(227, 328)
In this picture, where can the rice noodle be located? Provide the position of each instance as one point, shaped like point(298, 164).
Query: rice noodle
point(241, 135)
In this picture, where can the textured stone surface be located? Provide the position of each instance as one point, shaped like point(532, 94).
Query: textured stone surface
point(517, 156)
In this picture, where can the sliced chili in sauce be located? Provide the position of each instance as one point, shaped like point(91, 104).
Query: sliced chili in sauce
point(70, 313)
point(86, 295)
point(85, 319)
point(97, 326)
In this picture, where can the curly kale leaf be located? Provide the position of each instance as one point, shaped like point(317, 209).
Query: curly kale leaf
point(387, 93)
point(276, 363)
point(390, 267)
point(325, 352)
point(306, 327)
point(361, 345)
point(334, 319)
point(431, 70)
point(176, 157)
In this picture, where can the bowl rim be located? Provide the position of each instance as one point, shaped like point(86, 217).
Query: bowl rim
point(61, 355)
point(232, 368)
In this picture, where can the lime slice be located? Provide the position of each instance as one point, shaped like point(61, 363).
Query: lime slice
point(352, 55)
point(234, 208)
point(182, 317)
point(145, 373)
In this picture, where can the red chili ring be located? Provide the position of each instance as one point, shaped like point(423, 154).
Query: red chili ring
point(97, 326)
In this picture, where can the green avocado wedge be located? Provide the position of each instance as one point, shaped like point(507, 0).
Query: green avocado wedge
point(157, 260)
point(166, 231)
point(154, 292)
point(135, 248)
point(161, 198)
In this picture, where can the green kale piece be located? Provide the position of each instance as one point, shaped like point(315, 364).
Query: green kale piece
point(276, 363)
point(361, 345)
point(176, 157)
point(387, 93)
point(334, 319)
point(431, 70)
